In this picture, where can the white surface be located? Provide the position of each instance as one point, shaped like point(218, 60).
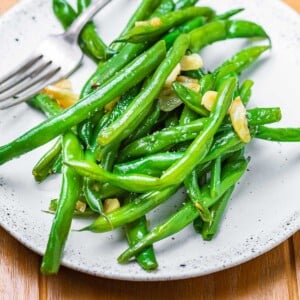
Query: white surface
point(265, 207)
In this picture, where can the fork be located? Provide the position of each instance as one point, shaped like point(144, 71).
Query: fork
point(57, 57)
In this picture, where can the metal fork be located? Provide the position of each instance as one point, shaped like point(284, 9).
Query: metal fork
point(56, 58)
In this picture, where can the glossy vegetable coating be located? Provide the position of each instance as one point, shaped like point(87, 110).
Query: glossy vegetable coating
point(131, 118)
point(222, 30)
point(123, 81)
point(278, 134)
point(231, 174)
point(70, 193)
point(148, 32)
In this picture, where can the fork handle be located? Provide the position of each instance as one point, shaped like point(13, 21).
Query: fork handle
point(73, 32)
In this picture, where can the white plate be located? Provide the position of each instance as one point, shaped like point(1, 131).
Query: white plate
point(265, 208)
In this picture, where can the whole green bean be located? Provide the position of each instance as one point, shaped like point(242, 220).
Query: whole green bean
point(221, 30)
point(148, 32)
point(210, 228)
point(131, 118)
point(231, 174)
point(64, 12)
point(131, 211)
point(70, 193)
point(135, 231)
point(131, 75)
point(278, 134)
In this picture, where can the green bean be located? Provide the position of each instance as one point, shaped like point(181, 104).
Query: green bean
point(229, 14)
point(221, 30)
point(135, 231)
point(194, 193)
point(161, 140)
point(137, 183)
point(215, 177)
point(77, 214)
point(143, 12)
point(240, 61)
point(180, 4)
point(46, 104)
point(190, 98)
point(113, 65)
point(231, 174)
point(44, 166)
point(200, 146)
point(131, 211)
point(152, 165)
point(246, 91)
point(82, 5)
point(187, 116)
point(89, 40)
point(135, 72)
point(131, 118)
point(196, 74)
point(210, 228)
point(64, 12)
point(170, 37)
point(165, 7)
point(70, 193)
point(278, 134)
point(207, 83)
point(148, 32)
point(172, 119)
point(147, 126)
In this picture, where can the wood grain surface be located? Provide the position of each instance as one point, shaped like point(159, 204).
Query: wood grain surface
point(274, 275)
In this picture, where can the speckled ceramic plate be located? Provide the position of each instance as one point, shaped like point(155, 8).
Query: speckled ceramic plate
point(265, 208)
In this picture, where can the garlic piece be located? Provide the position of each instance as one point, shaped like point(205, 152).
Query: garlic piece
point(191, 62)
point(209, 99)
point(111, 205)
point(237, 113)
point(172, 77)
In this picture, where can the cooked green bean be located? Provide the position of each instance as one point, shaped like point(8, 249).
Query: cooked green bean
point(231, 174)
point(70, 193)
point(135, 113)
point(215, 177)
point(135, 72)
point(151, 31)
point(278, 134)
point(210, 228)
point(221, 30)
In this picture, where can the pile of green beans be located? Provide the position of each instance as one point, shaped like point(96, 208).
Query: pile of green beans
point(137, 154)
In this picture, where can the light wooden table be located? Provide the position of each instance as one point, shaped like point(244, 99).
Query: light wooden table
point(274, 275)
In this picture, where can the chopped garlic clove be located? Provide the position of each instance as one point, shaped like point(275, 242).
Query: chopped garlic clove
point(192, 86)
point(237, 113)
point(191, 62)
point(186, 79)
point(155, 22)
point(64, 97)
point(168, 100)
point(209, 99)
point(64, 84)
point(172, 77)
point(111, 205)
point(80, 206)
